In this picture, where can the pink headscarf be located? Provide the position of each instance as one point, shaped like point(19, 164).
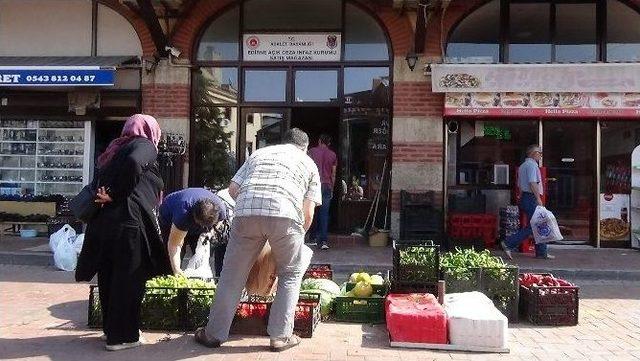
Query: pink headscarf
point(137, 126)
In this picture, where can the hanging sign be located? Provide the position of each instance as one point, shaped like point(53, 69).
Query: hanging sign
point(606, 105)
point(543, 78)
point(55, 76)
point(292, 47)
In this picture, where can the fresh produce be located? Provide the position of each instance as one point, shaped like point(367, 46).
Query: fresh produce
point(357, 277)
point(535, 280)
point(377, 280)
point(417, 264)
point(178, 282)
point(327, 290)
point(363, 289)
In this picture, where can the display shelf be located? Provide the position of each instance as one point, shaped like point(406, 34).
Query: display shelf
point(32, 155)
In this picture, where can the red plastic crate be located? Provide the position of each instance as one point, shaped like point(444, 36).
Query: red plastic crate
point(417, 318)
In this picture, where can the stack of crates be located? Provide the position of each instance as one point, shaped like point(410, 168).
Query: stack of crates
point(471, 226)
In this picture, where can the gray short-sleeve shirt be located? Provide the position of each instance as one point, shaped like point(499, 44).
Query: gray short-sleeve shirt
point(529, 172)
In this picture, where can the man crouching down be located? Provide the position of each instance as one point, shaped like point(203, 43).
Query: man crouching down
point(276, 192)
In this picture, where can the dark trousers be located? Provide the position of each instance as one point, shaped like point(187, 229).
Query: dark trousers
point(121, 282)
point(320, 227)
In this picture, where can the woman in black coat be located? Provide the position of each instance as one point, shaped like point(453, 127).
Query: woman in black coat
point(122, 242)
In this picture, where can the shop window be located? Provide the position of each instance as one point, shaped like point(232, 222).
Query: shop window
point(530, 41)
point(364, 39)
point(292, 14)
point(265, 85)
point(576, 33)
point(366, 86)
point(481, 152)
point(316, 85)
point(220, 40)
point(214, 142)
point(623, 32)
point(477, 38)
point(215, 86)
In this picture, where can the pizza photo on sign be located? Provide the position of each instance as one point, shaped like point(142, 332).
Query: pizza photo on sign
point(613, 229)
point(458, 100)
point(515, 100)
point(459, 80)
point(485, 100)
point(631, 100)
point(571, 100)
point(604, 100)
point(544, 100)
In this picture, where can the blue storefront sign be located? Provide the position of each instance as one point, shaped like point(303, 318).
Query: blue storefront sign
point(56, 76)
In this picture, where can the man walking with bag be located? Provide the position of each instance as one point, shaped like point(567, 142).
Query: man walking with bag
point(276, 192)
point(531, 188)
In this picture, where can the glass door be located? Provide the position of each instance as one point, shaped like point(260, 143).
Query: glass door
point(570, 163)
point(262, 127)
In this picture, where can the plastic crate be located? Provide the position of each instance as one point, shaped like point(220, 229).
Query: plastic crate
point(550, 306)
point(252, 316)
point(319, 271)
point(179, 309)
point(500, 284)
point(399, 287)
point(424, 269)
point(359, 310)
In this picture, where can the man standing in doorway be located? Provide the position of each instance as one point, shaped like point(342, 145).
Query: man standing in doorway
point(531, 188)
point(327, 162)
point(276, 192)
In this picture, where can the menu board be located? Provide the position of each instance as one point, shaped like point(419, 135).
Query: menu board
point(619, 105)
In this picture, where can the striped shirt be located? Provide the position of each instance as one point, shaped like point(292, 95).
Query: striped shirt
point(274, 181)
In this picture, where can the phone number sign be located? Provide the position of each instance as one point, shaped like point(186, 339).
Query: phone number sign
point(42, 76)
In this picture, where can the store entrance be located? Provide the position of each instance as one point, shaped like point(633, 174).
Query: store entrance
point(316, 121)
point(569, 157)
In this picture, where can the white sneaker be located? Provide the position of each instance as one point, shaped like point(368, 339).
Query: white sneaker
point(123, 346)
point(103, 337)
point(324, 246)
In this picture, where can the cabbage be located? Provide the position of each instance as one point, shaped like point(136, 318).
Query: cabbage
point(326, 301)
point(321, 284)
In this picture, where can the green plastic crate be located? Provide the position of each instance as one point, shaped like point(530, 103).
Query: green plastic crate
point(359, 310)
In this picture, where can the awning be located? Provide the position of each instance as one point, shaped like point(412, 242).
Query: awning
point(61, 71)
point(69, 61)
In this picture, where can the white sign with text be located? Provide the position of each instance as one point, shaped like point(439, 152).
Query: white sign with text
point(292, 47)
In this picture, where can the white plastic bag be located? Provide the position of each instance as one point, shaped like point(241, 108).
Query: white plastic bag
point(65, 233)
point(77, 244)
point(198, 265)
point(65, 256)
point(545, 227)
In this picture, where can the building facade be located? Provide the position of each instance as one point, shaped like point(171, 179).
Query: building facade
point(229, 77)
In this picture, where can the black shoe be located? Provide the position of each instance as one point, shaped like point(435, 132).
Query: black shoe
point(201, 338)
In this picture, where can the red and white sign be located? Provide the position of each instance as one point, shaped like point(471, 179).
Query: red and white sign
point(293, 47)
point(607, 105)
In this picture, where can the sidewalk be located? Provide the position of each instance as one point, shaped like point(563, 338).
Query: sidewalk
point(570, 262)
point(48, 315)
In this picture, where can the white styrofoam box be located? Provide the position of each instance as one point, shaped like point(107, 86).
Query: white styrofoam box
point(473, 320)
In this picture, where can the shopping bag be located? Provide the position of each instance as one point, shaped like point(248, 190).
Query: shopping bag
point(198, 265)
point(78, 242)
point(65, 256)
point(262, 277)
point(545, 226)
point(63, 234)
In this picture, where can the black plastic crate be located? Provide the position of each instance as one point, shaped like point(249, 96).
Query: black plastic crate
point(319, 271)
point(252, 316)
point(178, 309)
point(467, 204)
point(416, 263)
point(413, 287)
point(420, 217)
point(500, 284)
point(550, 305)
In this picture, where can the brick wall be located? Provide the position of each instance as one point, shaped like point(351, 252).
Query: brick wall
point(428, 152)
point(166, 100)
point(416, 99)
point(148, 47)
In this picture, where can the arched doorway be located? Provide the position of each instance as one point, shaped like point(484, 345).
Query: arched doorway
point(265, 66)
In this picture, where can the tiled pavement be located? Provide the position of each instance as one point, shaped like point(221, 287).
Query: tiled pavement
point(43, 317)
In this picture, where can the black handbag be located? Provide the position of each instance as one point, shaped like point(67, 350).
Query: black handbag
point(84, 206)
